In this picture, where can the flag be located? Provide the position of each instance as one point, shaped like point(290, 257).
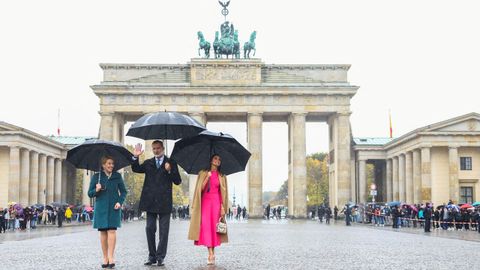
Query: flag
point(58, 123)
point(390, 120)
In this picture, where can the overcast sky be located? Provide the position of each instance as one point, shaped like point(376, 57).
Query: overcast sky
point(418, 58)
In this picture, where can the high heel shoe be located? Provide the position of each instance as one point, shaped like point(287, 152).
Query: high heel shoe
point(209, 262)
point(111, 266)
point(105, 265)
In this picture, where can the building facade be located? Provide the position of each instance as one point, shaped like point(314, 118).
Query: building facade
point(435, 163)
point(33, 167)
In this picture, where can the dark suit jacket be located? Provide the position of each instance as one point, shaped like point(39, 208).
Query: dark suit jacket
point(157, 188)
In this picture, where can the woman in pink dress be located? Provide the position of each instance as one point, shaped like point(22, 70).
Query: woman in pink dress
point(209, 203)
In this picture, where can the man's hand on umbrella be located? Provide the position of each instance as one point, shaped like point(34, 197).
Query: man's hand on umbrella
point(168, 167)
point(138, 150)
point(117, 206)
point(98, 187)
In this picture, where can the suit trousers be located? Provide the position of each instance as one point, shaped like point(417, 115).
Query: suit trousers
point(157, 253)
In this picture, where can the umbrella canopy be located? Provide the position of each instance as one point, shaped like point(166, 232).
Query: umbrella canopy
point(89, 154)
point(165, 125)
point(453, 207)
point(38, 206)
point(465, 206)
point(413, 207)
point(395, 203)
point(193, 154)
point(88, 208)
point(476, 204)
point(58, 204)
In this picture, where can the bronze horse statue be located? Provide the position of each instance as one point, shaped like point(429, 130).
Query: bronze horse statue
point(203, 45)
point(250, 45)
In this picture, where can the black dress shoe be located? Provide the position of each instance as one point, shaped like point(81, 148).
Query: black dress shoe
point(111, 266)
point(150, 263)
point(160, 263)
point(105, 265)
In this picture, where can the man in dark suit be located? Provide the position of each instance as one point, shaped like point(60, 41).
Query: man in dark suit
point(156, 199)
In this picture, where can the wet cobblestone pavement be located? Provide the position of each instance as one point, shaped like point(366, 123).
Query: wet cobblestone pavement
point(253, 245)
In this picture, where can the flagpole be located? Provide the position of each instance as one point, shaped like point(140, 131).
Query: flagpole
point(390, 122)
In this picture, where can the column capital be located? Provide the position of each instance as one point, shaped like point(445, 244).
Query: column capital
point(344, 113)
point(196, 113)
point(102, 113)
point(453, 146)
point(425, 146)
point(255, 113)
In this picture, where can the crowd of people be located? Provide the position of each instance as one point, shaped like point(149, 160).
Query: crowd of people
point(448, 216)
point(237, 213)
point(15, 217)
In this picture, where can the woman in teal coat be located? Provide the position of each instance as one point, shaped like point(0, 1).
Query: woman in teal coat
point(109, 196)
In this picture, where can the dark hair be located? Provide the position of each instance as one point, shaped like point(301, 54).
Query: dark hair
point(159, 142)
point(219, 169)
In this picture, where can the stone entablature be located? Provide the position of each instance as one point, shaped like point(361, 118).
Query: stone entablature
point(231, 72)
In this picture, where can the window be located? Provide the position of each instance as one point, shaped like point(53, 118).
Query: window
point(466, 163)
point(466, 194)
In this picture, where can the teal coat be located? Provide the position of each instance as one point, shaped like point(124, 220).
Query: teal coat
point(105, 216)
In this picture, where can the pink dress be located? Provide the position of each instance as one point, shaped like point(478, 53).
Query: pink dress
point(210, 208)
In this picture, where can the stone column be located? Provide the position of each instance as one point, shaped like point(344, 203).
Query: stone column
point(362, 179)
point(24, 176)
point(42, 179)
point(342, 158)
point(71, 182)
point(409, 178)
point(65, 180)
point(118, 123)
point(254, 129)
point(426, 175)
point(106, 126)
point(353, 181)
point(58, 181)
point(192, 178)
point(395, 179)
point(401, 178)
point(14, 179)
point(389, 180)
point(85, 186)
point(297, 192)
point(453, 174)
point(34, 170)
point(417, 177)
point(50, 178)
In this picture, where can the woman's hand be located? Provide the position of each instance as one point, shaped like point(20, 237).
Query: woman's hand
point(98, 187)
point(117, 206)
point(222, 211)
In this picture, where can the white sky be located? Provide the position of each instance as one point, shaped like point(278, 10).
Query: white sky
point(418, 58)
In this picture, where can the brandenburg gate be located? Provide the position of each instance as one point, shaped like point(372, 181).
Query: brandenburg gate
point(245, 90)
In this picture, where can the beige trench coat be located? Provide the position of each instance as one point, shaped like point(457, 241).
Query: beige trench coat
point(195, 209)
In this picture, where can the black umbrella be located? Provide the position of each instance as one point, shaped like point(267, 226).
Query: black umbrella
point(58, 204)
point(165, 125)
point(89, 154)
point(193, 154)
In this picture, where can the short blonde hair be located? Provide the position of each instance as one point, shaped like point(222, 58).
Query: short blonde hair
point(106, 158)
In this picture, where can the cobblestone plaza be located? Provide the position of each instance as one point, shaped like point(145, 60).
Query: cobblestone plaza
point(253, 245)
